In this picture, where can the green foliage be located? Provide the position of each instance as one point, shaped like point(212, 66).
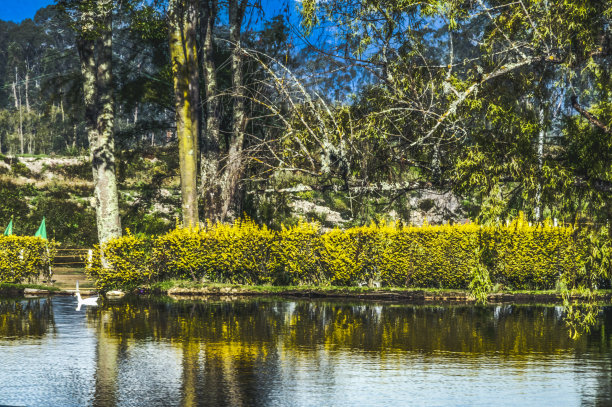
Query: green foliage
point(516, 256)
point(19, 168)
point(598, 265)
point(80, 170)
point(580, 311)
point(25, 258)
point(70, 221)
point(480, 284)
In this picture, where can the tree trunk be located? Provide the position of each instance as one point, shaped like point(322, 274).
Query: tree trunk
point(27, 89)
point(538, 197)
point(28, 118)
point(104, 154)
point(183, 53)
point(209, 159)
point(17, 95)
point(99, 119)
point(234, 165)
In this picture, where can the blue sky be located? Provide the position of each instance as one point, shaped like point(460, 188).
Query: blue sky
point(19, 10)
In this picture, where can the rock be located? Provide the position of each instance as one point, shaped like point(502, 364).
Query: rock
point(115, 293)
point(307, 208)
point(35, 291)
point(437, 207)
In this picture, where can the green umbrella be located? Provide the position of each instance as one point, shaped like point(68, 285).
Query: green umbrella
point(42, 230)
point(9, 229)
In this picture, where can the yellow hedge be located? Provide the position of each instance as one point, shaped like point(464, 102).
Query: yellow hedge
point(25, 258)
point(295, 255)
point(238, 253)
point(517, 256)
point(128, 263)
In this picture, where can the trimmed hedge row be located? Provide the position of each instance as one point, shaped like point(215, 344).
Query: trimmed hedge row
point(518, 256)
point(25, 258)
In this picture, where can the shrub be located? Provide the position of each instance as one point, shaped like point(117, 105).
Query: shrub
point(433, 256)
point(524, 256)
point(128, 263)
point(241, 253)
point(516, 256)
point(183, 253)
point(19, 168)
point(25, 258)
point(357, 255)
point(295, 255)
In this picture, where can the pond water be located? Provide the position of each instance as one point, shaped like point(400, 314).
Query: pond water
point(272, 352)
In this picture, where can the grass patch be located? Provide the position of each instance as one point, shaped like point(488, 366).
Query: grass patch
point(189, 287)
point(168, 285)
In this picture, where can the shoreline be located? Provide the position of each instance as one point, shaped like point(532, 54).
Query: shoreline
point(185, 290)
point(416, 296)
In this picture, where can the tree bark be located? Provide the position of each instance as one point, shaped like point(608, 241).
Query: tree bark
point(183, 53)
point(103, 155)
point(27, 100)
point(17, 95)
point(99, 115)
point(541, 136)
point(209, 159)
point(27, 88)
point(234, 164)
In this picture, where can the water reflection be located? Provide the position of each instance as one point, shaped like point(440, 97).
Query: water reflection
point(25, 318)
point(264, 352)
point(257, 325)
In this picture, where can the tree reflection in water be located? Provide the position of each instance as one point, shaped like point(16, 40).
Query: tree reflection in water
point(25, 318)
point(231, 352)
point(265, 352)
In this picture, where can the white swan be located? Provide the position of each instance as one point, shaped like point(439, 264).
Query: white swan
point(91, 301)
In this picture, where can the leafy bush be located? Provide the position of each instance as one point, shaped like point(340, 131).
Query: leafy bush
point(459, 256)
point(234, 253)
point(25, 258)
point(19, 168)
point(296, 255)
point(523, 256)
point(125, 264)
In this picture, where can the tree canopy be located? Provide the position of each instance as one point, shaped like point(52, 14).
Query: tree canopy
point(355, 105)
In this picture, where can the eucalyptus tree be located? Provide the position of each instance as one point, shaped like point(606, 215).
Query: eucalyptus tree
point(210, 152)
point(92, 21)
point(235, 162)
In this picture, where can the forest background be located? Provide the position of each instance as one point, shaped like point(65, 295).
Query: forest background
point(344, 112)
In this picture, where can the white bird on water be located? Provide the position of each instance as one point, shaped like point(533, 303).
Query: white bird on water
point(91, 301)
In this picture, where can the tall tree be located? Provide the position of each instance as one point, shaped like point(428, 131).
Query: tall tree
point(235, 162)
point(209, 160)
point(183, 53)
point(94, 44)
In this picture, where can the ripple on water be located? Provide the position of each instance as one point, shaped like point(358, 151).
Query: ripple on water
point(281, 353)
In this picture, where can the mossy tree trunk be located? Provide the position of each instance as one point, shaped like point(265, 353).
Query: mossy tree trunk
point(94, 43)
point(183, 54)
